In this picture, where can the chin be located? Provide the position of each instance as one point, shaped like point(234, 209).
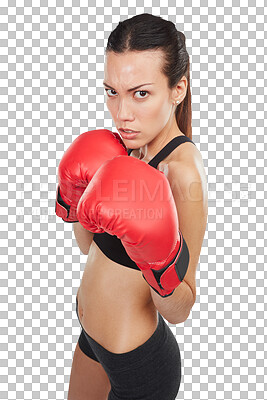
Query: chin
point(131, 143)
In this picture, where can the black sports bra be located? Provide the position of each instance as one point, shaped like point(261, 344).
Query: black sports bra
point(110, 245)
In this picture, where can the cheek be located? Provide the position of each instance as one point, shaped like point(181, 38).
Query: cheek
point(164, 109)
point(154, 109)
point(158, 113)
point(109, 105)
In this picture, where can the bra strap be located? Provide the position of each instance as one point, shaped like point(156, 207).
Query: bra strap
point(163, 153)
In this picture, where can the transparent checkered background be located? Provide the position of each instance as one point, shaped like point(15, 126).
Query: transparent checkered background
point(52, 59)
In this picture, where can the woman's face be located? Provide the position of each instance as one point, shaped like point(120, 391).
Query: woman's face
point(149, 108)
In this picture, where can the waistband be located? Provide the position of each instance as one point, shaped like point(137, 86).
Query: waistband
point(136, 356)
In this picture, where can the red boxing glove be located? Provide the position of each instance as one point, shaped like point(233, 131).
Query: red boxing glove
point(132, 200)
point(78, 165)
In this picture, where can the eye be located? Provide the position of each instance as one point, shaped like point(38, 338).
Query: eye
point(111, 90)
point(138, 91)
point(141, 91)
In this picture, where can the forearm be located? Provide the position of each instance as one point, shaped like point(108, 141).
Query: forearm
point(175, 308)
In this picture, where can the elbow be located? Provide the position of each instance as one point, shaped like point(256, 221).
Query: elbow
point(84, 251)
point(83, 238)
point(178, 320)
point(84, 246)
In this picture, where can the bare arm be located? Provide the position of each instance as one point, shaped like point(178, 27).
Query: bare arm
point(83, 237)
point(190, 194)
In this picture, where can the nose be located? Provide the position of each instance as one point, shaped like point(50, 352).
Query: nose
point(124, 111)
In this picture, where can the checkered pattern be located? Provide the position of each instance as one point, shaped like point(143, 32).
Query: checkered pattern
point(52, 58)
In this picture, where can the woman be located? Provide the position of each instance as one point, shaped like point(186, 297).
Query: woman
point(126, 350)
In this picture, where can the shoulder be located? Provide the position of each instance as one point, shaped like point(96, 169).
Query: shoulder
point(185, 151)
point(185, 167)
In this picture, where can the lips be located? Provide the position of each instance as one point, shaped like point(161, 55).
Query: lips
point(132, 131)
point(126, 135)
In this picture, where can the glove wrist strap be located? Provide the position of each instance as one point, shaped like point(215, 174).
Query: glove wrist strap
point(166, 279)
point(65, 211)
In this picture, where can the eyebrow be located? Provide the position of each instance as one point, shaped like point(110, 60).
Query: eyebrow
point(129, 90)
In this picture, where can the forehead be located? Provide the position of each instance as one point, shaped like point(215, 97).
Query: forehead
point(133, 68)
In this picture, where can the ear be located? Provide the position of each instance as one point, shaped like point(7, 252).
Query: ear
point(180, 90)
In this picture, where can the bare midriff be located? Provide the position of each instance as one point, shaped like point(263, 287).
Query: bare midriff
point(114, 304)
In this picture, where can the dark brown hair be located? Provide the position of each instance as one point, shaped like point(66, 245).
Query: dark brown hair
point(149, 32)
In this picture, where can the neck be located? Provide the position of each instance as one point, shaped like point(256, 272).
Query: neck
point(149, 150)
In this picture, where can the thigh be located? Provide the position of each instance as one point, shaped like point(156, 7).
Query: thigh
point(157, 377)
point(88, 379)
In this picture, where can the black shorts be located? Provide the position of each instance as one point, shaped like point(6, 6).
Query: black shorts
point(152, 371)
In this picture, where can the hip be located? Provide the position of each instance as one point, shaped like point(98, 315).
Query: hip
point(152, 370)
point(117, 327)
